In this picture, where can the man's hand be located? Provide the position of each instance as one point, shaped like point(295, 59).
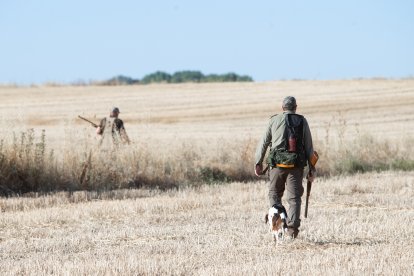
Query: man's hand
point(311, 175)
point(98, 130)
point(258, 170)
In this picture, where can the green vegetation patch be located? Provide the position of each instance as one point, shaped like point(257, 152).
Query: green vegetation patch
point(177, 77)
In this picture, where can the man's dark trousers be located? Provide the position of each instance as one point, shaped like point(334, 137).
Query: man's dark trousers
point(291, 180)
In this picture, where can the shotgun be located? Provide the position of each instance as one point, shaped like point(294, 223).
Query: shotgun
point(313, 161)
point(308, 189)
point(92, 123)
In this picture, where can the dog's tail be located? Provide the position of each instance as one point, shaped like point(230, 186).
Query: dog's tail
point(283, 214)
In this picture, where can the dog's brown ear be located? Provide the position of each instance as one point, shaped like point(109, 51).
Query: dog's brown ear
point(266, 218)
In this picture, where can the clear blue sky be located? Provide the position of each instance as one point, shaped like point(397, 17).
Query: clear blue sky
point(68, 40)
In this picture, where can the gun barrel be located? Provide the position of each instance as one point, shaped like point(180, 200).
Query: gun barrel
point(92, 123)
point(314, 158)
point(308, 189)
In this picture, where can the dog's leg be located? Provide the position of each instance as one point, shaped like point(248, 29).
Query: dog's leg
point(280, 235)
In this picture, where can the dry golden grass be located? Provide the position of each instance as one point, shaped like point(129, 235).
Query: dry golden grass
point(210, 111)
point(187, 132)
point(357, 225)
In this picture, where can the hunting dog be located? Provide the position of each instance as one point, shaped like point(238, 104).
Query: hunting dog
point(276, 219)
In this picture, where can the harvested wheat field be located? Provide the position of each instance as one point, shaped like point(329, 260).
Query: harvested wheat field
point(357, 225)
point(215, 110)
point(181, 198)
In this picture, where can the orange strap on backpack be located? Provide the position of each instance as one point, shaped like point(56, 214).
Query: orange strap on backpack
point(285, 166)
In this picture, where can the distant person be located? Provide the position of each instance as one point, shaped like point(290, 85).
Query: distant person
point(290, 141)
point(112, 129)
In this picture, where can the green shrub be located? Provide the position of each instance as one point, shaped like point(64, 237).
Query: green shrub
point(120, 80)
point(212, 175)
point(157, 77)
point(402, 164)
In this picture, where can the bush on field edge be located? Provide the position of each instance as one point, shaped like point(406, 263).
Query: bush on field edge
point(26, 165)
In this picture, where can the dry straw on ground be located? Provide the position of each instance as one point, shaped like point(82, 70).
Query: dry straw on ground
point(359, 224)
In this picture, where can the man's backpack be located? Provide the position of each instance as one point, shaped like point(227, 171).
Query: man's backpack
point(292, 153)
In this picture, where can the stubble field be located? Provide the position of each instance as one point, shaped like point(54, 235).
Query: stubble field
point(213, 111)
point(358, 224)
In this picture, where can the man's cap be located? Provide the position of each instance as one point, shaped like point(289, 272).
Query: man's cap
point(115, 109)
point(289, 103)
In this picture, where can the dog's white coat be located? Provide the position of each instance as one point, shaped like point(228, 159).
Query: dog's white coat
point(279, 233)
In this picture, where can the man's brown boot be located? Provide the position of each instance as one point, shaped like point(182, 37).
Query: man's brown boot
point(292, 232)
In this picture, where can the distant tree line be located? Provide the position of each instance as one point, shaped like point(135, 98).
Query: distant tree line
point(177, 77)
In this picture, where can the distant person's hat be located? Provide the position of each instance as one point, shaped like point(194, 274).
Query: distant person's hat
point(115, 109)
point(289, 103)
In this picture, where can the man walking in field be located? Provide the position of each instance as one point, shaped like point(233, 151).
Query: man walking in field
point(290, 141)
point(112, 129)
